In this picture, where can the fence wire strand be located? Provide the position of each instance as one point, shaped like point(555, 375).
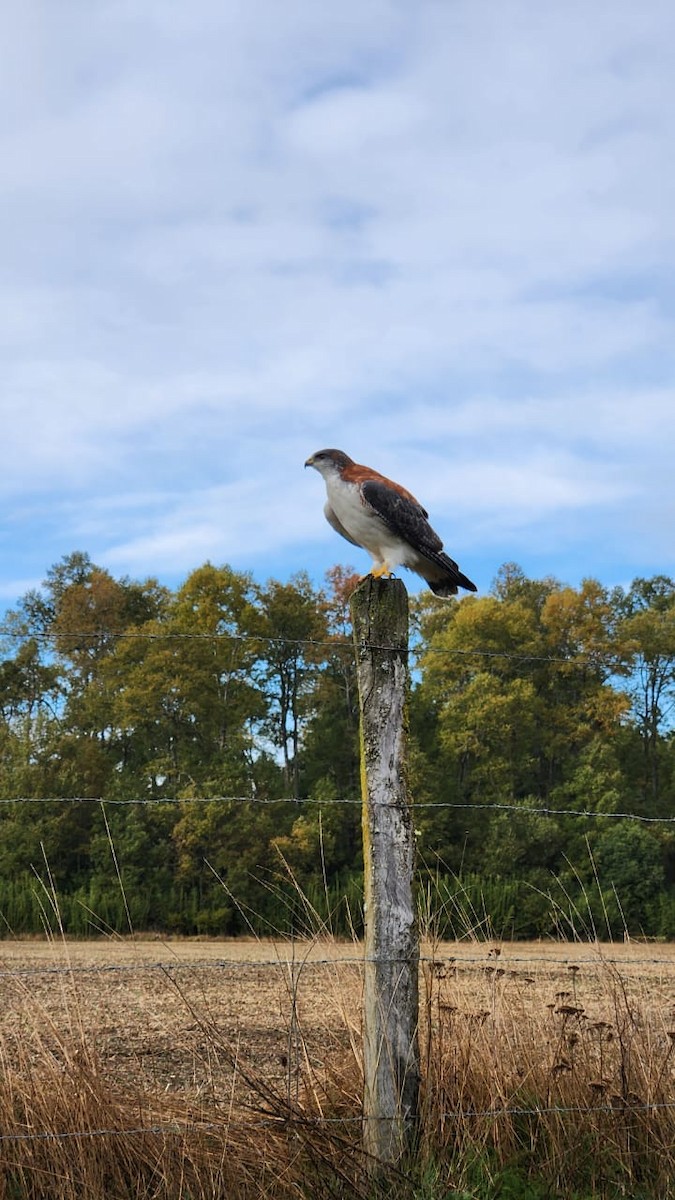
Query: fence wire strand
point(488, 962)
point(498, 806)
point(622, 1107)
point(584, 658)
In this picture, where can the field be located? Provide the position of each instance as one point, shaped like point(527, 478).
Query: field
point(214, 1068)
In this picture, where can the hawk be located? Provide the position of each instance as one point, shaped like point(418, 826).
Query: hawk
point(383, 518)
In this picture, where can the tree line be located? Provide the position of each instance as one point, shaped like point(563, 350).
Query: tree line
point(218, 723)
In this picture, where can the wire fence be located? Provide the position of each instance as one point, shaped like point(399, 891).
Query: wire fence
point(613, 662)
point(622, 1106)
point(618, 1108)
point(478, 806)
point(77, 639)
point(440, 960)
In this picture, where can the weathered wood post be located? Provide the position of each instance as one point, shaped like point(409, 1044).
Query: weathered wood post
point(379, 610)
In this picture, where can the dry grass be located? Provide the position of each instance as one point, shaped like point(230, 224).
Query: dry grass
point(146, 1069)
point(190, 1069)
point(589, 1041)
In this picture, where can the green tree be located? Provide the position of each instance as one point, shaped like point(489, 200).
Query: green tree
point(630, 874)
point(184, 697)
point(515, 704)
point(292, 632)
point(647, 637)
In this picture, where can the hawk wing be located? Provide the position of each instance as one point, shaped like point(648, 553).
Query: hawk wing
point(404, 516)
point(408, 520)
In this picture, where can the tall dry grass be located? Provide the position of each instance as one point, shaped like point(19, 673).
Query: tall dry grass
point(68, 1130)
point(560, 1071)
point(566, 1071)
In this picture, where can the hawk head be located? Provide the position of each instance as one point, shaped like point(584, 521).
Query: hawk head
point(329, 462)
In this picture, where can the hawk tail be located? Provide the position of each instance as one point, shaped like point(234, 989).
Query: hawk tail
point(447, 583)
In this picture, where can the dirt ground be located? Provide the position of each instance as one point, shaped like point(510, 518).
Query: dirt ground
point(171, 1016)
point(176, 1016)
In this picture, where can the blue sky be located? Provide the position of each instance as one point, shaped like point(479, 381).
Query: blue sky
point(438, 235)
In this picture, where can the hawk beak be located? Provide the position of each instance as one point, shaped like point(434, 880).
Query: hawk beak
point(310, 461)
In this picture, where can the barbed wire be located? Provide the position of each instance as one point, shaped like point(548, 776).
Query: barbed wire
point(594, 657)
point(489, 805)
point(488, 962)
point(184, 636)
point(543, 811)
point(177, 965)
point(45, 1135)
point(621, 1107)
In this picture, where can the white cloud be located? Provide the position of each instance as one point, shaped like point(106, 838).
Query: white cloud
point(353, 120)
point(437, 234)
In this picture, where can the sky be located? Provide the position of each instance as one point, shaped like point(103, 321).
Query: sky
point(436, 234)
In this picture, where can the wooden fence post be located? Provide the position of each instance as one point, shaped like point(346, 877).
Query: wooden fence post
point(379, 609)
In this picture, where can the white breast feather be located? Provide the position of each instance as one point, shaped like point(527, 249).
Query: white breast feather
point(365, 527)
